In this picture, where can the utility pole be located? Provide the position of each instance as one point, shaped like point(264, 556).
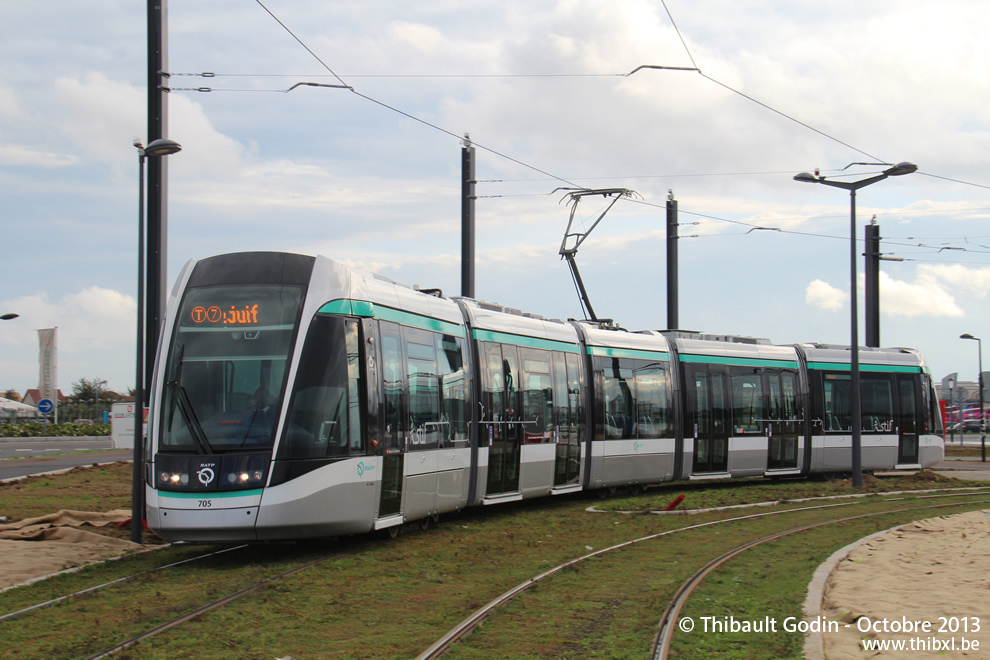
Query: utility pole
point(872, 272)
point(467, 217)
point(157, 236)
point(672, 321)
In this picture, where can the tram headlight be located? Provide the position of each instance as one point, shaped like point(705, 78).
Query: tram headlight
point(173, 478)
point(238, 478)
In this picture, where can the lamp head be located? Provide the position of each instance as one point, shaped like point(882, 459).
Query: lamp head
point(162, 147)
point(968, 336)
point(806, 177)
point(8, 317)
point(901, 169)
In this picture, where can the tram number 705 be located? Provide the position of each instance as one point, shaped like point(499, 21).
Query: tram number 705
point(205, 504)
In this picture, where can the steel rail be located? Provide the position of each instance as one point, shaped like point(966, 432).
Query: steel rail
point(661, 642)
point(467, 625)
point(11, 615)
point(179, 620)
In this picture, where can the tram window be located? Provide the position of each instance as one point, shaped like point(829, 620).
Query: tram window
point(537, 396)
point(703, 406)
point(747, 402)
point(393, 375)
point(929, 409)
point(620, 402)
point(878, 404)
point(788, 381)
point(838, 402)
point(574, 400)
point(651, 401)
point(561, 396)
point(453, 382)
point(324, 417)
point(776, 397)
point(424, 390)
point(908, 404)
point(719, 411)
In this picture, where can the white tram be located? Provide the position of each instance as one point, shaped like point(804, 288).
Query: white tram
point(295, 398)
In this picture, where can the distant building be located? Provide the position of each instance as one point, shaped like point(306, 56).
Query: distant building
point(33, 396)
point(11, 411)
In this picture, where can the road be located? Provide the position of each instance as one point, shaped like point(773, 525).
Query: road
point(32, 447)
point(21, 457)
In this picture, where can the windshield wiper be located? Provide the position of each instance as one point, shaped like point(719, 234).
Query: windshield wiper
point(185, 408)
point(180, 397)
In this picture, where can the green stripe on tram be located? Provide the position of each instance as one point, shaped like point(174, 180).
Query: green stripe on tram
point(525, 342)
point(739, 362)
point(210, 494)
point(371, 310)
point(844, 366)
point(611, 351)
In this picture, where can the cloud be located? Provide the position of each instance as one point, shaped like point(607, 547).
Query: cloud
point(824, 295)
point(970, 281)
point(923, 297)
point(19, 155)
point(96, 332)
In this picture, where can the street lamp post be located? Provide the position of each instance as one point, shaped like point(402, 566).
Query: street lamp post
point(856, 403)
point(979, 379)
point(155, 148)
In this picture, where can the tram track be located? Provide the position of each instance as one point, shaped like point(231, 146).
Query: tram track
point(194, 611)
point(127, 578)
point(220, 602)
point(667, 626)
point(661, 640)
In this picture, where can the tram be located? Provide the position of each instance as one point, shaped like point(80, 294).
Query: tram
point(294, 398)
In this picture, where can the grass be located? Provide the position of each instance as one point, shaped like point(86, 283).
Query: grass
point(956, 451)
point(376, 598)
point(93, 488)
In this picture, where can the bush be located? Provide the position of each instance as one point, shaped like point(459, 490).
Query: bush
point(39, 430)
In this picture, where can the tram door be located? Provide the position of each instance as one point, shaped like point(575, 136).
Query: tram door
point(502, 418)
point(393, 435)
point(907, 423)
point(567, 390)
point(705, 418)
point(783, 425)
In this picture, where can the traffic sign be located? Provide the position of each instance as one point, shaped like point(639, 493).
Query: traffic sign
point(45, 406)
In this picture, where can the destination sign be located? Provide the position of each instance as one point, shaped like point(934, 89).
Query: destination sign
point(215, 315)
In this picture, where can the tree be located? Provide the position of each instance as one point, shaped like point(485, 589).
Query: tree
point(89, 390)
point(89, 399)
point(12, 395)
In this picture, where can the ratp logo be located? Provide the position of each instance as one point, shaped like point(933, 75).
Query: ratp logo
point(362, 468)
point(205, 476)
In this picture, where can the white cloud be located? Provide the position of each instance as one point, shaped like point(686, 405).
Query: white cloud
point(20, 155)
point(96, 332)
point(824, 295)
point(923, 297)
point(970, 281)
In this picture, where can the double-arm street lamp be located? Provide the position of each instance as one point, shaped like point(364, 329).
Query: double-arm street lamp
point(155, 148)
point(856, 404)
point(983, 422)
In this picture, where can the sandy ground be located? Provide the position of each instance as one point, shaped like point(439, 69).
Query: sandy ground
point(36, 547)
point(935, 571)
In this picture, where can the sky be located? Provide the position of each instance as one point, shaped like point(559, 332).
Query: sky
point(370, 176)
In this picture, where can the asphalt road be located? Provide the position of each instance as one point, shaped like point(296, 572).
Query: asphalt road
point(21, 457)
point(33, 447)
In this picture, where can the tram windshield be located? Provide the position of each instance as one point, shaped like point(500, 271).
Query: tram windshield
point(226, 369)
